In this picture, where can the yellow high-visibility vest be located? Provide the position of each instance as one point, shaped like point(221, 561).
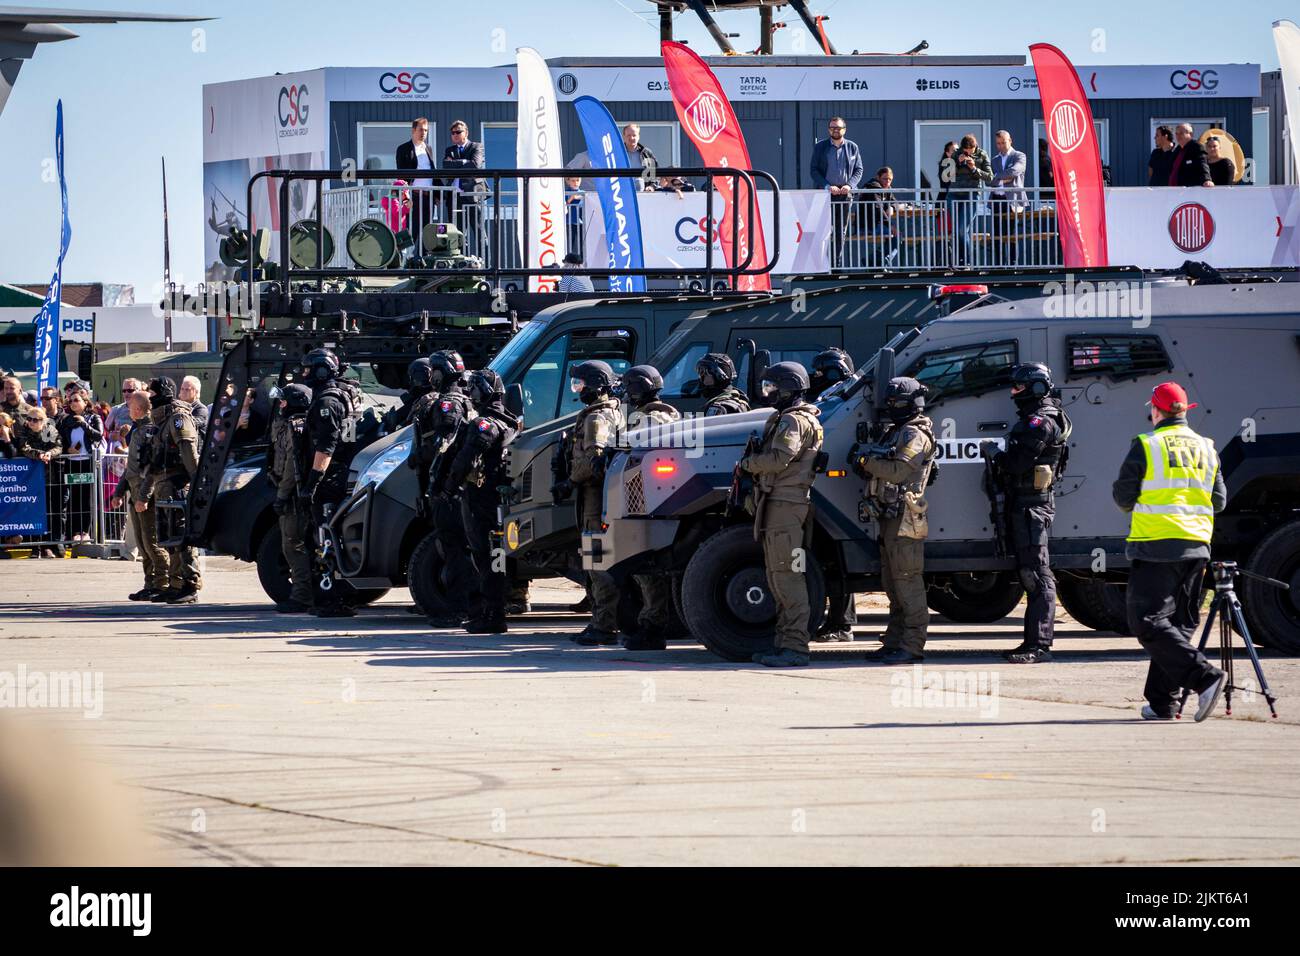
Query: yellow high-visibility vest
point(1176, 493)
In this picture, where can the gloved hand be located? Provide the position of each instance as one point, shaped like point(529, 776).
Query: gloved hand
point(307, 490)
point(989, 448)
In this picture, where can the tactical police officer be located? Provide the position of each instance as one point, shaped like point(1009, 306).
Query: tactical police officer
point(1172, 485)
point(140, 507)
point(597, 427)
point(440, 419)
point(479, 472)
point(332, 443)
point(898, 470)
point(783, 468)
point(286, 468)
point(175, 453)
point(418, 384)
point(1031, 465)
point(717, 375)
point(641, 385)
point(830, 367)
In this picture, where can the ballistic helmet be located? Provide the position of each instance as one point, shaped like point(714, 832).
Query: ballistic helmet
point(1035, 377)
point(642, 384)
point(419, 375)
point(485, 387)
point(297, 398)
point(321, 365)
point(905, 399)
point(591, 379)
point(784, 384)
point(447, 367)
point(831, 366)
point(716, 370)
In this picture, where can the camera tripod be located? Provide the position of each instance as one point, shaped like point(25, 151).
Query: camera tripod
point(1227, 607)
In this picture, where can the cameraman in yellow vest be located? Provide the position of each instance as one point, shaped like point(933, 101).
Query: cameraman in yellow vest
point(1171, 484)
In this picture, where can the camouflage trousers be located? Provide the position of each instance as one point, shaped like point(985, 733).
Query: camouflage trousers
point(656, 600)
point(604, 593)
point(144, 525)
point(782, 534)
point(901, 563)
point(183, 562)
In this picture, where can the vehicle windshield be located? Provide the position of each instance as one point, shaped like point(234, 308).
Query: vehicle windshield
point(506, 361)
point(854, 385)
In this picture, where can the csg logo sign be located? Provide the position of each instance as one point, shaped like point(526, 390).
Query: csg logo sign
point(1068, 127)
point(707, 117)
point(1191, 227)
point(404, 83)
point(691, 232)
point(292, 110)
point(1194, 81)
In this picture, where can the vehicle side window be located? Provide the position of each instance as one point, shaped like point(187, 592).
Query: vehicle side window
point(969, 370)
point(797, 353)
point(1116, 356)
point(615, 346)
point(543, 381)
point(683, 370)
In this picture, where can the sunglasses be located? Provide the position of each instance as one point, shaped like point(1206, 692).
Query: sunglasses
point(128, 391)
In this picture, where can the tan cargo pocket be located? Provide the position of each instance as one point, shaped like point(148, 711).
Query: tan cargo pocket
point(914, 524)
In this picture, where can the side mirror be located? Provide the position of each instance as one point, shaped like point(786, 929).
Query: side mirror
point(515, 400)
point(85, 363)
point(757, 369)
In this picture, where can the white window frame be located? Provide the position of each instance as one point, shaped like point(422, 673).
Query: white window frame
point(404, 124)
point(673, 127)
point(985, 126)
point(1101, 129)
point(1261, 178)
point(1220, 121)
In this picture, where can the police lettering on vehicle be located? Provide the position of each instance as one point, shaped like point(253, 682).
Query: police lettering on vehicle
point(962, 451)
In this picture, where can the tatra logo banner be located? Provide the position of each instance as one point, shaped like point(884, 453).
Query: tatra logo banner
point(706, 114)
point(1080, 197)
point(47, 323)
point(541, 224)
point(618, 194)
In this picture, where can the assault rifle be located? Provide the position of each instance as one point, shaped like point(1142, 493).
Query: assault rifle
point(742, 482)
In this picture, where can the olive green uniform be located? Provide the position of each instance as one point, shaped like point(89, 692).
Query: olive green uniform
point(175, 460)
point(656, 589)
point(144, 524)
point(783, 470)
point(598, 425)
point(729, 401)
point(897, 490)
point(285, 470)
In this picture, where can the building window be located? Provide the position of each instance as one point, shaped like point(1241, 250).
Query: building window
point(931, 136)
point(1199, 125)
point(377, 143)
point(1041, 161)
point(661, 138)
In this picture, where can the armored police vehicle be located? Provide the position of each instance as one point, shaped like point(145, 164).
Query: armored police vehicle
point(1233, 345)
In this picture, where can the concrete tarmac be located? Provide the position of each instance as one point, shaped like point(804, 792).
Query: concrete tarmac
point(251, 738)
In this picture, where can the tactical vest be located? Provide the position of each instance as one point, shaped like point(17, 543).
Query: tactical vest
point(1050, 464)
point(489, 469)
point(166, 453)
point(652, 413)
point(730, 401)
point(1176, 500)
point(885, 499)
point(436, 441)
point(607, 408)
point(355, 434)
point(793, 483)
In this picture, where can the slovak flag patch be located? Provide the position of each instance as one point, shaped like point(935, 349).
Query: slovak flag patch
point(445, 406)
point(484, 424)
point(1036, 422)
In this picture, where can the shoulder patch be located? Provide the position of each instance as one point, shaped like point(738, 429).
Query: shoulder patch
point(324, 412)
point(177, 422)
point(484, 424)
point(445, 406)
point(1035, 421)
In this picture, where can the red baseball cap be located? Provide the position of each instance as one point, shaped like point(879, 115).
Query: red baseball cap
point(1168, 394)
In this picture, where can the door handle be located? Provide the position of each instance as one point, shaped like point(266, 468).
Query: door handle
point(992, 426)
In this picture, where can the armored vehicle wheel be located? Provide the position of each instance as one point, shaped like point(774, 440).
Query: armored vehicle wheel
point(272, 568)
point(1272, 614)
point(726, 600)
point(426, 579)
point(976, 597)
point(1100, 605)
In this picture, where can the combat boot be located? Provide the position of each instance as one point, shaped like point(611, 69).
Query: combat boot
point(582, 607)
point(784, 658)
point(186, 595)
point(338, 610)
point(645, 639)
point(163, 596)
point(896, 656)
point(1032, 655)
point(450, 619)
point(292, 607)
point(487, 625)
point(144, 594)
point(592, 636)
point(842, 634)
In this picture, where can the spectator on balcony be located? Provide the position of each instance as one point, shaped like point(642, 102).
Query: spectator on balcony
point(81, 434)
point(38, 439)
point(1223, 171)
point(463, 153)
point(837, 168)
point(1007, 193)
point(1161, 163)
point(416, 153)
point(1190, 167)
point(947, 169)
point(881, 208)
point(639, 154)
point(973, 172)
point(396, 207)
point(569, 281)
point(673, 184)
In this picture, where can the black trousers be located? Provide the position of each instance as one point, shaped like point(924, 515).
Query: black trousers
point(1164, 608)
point(1030, 526)
point(843, 612)
point(478, 511)
point(330, 493)
point(459, 579)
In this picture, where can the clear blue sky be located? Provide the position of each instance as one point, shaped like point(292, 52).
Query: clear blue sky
point(133, 93)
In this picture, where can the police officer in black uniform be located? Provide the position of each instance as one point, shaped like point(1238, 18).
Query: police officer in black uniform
point(717, 374)
point(440, 419)
point(830, 367)
point(480, 469)
point(1032, 464)
point(332, 423)
point(419, 382)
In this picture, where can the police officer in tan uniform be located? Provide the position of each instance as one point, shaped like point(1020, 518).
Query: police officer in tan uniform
point(175, 460)
point(285, 468)
point(139, 507)
point(897, 470)
point(641, 386)
point(717, 373)
point(598, 426)
point(783, 468)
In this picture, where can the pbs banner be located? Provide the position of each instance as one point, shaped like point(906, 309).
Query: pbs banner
point(47, 323)
point(618, 195)
point(541, 225)
point(1076, 159)
point(707, 116)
